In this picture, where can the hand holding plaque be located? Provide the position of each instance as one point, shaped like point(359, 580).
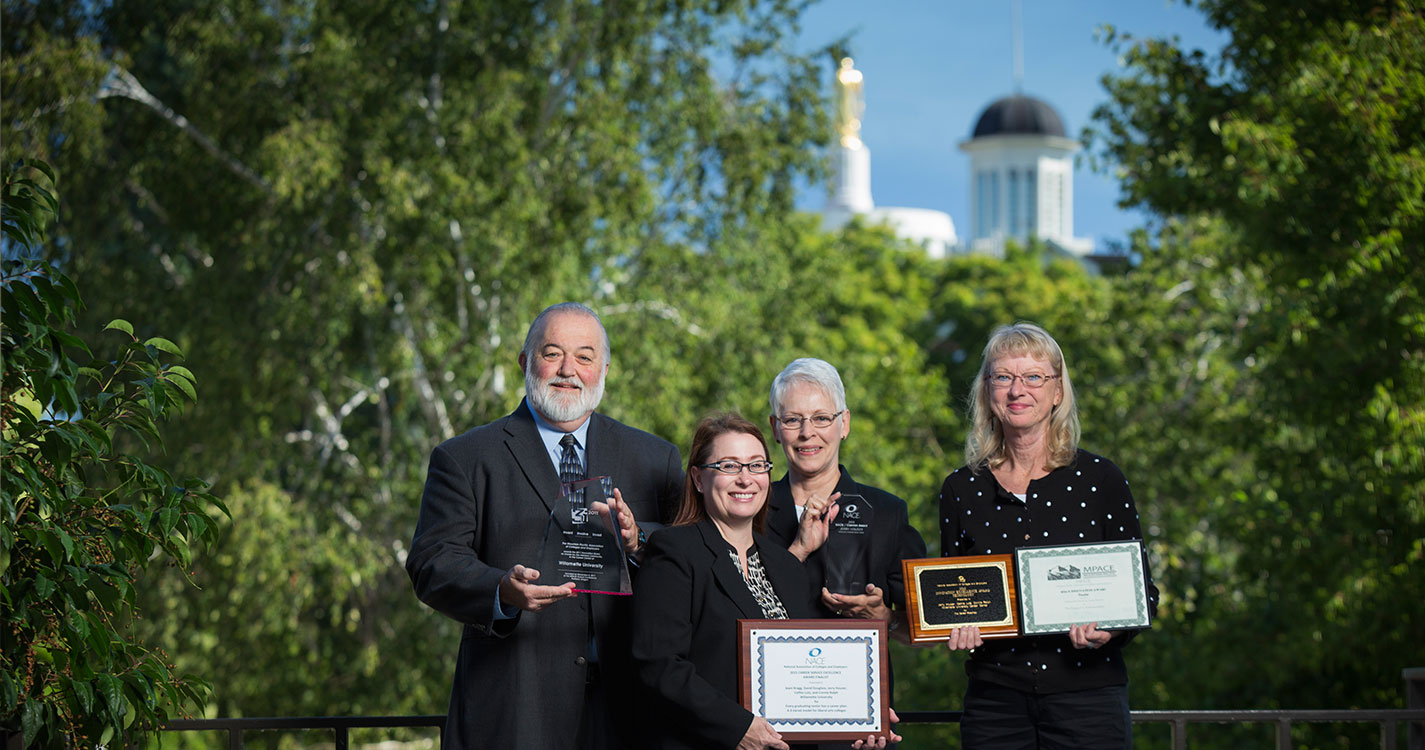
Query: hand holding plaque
point(583, 542)
point(947, 593)
point(1035, 591)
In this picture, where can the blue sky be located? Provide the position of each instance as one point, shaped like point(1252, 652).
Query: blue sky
point(932, 66)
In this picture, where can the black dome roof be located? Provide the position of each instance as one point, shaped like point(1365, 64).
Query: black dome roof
point(1019, 115)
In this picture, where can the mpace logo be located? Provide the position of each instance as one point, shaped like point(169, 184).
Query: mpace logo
point(579, 515)
point(814, 656)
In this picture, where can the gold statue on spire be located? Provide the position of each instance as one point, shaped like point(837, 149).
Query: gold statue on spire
point(850, 103)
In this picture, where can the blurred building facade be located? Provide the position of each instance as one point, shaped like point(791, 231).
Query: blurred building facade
point(1021, 180)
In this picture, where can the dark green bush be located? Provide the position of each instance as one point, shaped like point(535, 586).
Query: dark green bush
point(84, 512)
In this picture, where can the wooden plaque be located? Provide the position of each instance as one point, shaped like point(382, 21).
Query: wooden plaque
point(944, 593)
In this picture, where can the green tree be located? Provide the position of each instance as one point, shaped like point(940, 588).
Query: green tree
point(1162, 405)
point(84, 517)
point(1302, 139)
point(349, 212)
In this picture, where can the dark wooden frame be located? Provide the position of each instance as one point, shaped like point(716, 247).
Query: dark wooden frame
point(744, 671)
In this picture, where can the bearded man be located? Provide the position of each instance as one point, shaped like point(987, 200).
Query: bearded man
point(539, 666)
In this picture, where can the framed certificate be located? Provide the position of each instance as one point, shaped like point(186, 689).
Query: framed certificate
point(815, 680)
point(1100, 582)
point(944, 593)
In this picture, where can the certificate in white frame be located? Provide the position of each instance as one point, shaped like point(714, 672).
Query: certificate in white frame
point(1075, 584)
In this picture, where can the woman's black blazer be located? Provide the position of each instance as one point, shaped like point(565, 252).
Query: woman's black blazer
point(686, 604)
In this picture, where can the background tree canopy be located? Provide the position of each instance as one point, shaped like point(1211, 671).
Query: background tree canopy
point(1303, 143)
point(347, 213)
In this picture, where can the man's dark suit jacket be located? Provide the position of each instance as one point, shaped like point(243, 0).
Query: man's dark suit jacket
point(521, 682)
point(686, 605)
point(892, 537)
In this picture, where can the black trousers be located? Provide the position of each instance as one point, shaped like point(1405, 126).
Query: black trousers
point(1002, 718)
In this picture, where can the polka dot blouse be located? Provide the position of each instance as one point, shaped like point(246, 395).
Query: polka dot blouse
point(1086, 501)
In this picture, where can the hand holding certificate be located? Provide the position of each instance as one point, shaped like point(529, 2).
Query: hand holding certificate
point(1037, 590)
point(815, 680)
point(1070, 585)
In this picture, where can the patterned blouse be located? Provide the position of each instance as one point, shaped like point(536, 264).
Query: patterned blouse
point(761, 588)
point(1086, 501)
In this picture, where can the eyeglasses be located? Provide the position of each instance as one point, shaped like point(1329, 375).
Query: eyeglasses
point(1030, 380)
point(820, 421)
point(735, 467)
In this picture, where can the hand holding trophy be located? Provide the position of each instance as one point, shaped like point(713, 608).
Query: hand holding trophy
point(584, 541)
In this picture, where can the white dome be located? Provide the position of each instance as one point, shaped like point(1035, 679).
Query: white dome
point(933, 230)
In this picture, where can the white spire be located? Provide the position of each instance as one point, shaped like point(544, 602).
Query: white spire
point(851, 193)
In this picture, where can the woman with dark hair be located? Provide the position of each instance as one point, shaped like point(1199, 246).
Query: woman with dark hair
point(1026, 483)
point(701, 575)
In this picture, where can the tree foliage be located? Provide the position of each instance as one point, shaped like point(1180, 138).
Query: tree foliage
point(348, 212)
point(84, 514)
point(1303, 141)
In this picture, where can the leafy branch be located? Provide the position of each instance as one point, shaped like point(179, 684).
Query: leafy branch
point(84, 517)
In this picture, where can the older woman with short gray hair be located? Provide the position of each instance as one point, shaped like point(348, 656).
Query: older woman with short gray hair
point(810, 419)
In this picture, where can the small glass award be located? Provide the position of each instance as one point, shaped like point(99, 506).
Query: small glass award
point(583, 542)
point(847, 551)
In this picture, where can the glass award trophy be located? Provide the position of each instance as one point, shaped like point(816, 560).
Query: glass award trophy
point(847, 551)
point(582, 541)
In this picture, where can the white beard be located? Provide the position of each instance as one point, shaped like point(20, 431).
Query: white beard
point(557, 406)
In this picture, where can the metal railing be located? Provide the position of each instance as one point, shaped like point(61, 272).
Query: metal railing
point(340, 725)
point(1388, 721)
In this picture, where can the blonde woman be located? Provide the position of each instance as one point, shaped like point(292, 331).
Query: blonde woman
point(1027, 483)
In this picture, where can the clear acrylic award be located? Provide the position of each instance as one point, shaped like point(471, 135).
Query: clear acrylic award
point(847, 551)
point(583, 542)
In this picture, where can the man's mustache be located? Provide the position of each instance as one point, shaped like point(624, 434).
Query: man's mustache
point(557, 380)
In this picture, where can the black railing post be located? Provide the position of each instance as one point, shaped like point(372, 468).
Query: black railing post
point(1179, 734)
point(1283, 734)
point(234, 738)
point(1415, 700)
point(1387, 735)
point(341, 738)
